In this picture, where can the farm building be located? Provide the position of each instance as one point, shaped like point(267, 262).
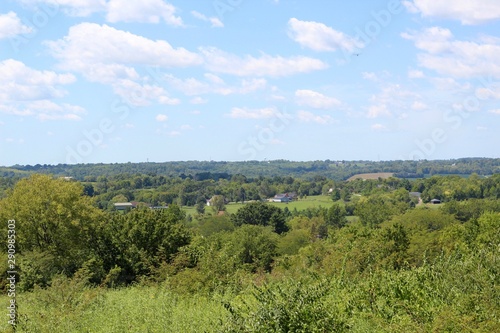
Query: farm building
point(435, 201)
point(284, 197)
point(124, 205)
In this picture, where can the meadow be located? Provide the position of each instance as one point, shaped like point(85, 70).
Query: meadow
point(313, 201)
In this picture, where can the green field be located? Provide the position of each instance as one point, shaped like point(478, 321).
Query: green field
point(308, 202)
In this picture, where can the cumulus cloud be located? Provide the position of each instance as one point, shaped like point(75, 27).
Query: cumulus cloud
point(213, 84)
point(379, 127)
point(456, 58)
point(198, 100)
point(306, 116)
point(320, 37)
point(144, 11)
point(148, 11)
point(315, 100)
point(25, 91)
point(466, 11)
point(216, 23)
point(11, 25)
point(116, 48)
point(392, 99)
point(110, 55)
point(245, 113)
point(161, 118)
point(219, 61)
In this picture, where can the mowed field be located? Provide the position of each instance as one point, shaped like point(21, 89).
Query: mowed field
point(376, 175)
point(308, 202)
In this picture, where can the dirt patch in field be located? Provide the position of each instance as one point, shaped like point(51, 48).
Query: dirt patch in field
point(377, 175)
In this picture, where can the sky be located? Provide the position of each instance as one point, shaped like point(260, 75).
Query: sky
point(113, 81)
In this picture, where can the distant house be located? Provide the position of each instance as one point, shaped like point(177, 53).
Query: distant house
point(415, 194)
point(209, 201)
point(435, 201)
point(284, 197)
point(124, 205)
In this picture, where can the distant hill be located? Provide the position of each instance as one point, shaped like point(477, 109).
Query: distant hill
point(337, 170)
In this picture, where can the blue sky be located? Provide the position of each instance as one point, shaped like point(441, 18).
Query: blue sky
point(86, 81)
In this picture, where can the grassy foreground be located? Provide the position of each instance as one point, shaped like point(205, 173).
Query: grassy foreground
point(132, 309)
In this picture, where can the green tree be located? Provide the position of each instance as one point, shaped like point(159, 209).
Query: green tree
point(335, 216)
point(55, 218)
point(200, 206)
point(144, 238)
point(259, 213)
point(218, 203)
point(373, 211)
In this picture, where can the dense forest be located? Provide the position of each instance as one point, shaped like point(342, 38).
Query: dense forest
point(378, 257)
point(335, 170)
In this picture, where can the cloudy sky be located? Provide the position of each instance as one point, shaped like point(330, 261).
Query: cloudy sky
point(84, 81)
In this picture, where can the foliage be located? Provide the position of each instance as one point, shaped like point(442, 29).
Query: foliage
point(258, 213)
point(261, 268)
point(290, 306)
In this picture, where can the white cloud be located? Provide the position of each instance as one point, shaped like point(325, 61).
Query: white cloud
point(111, 49)
point(370, 76)
point(379, 127)
point(417, 105)
point(493, 92)
point(456, 58)
point(80, 8)
point(245, 113)
point(174, 133)
point(149, 11)
point(466, 11)
point(320, 37)
point(47, 110)
point(415, 74)
point(198, 100)
point(21, 83)
point(497, 111)
point(306, 116)
point(161, 117)
point(186, 127)
point(145, 11)
point(219, 61)
point(213, 84)
point(110, 55)
point(375, 111)
point(25, 91)
point(392, 99)
point(315, 99)
point(11, 25)
point(446, 83)
point(216, 23)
